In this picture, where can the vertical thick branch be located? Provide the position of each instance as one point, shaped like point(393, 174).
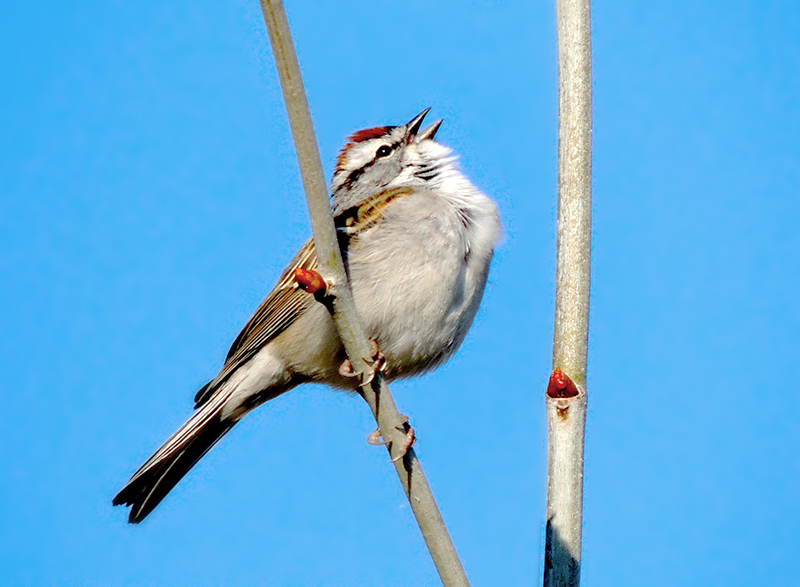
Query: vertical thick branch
point(566, 396)
point(358, 348)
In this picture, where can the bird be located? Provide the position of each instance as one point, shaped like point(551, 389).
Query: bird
point(417, 238)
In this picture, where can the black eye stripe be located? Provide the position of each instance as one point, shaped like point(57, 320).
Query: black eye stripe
point(354, 175)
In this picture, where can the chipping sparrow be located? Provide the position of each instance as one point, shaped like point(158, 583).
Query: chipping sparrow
point(417, 238)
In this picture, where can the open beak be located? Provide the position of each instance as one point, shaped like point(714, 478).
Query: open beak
point(416, 123)
point(431, 131)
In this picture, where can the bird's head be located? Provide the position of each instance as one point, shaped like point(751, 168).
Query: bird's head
point(386, 156)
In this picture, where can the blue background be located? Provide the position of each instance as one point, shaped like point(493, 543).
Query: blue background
point(150, 198)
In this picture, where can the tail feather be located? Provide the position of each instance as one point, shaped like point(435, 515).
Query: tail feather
point(156, 478)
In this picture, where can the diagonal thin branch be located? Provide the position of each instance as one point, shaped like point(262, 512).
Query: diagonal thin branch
point(566, 397)
point(331, 267)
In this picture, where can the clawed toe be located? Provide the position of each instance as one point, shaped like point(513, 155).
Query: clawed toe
point(409, 438)
point(377, 360)
point(346, 369)
point(376, 364)
point(374, 438)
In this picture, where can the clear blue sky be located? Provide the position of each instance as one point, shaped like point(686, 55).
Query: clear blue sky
point(150, 198)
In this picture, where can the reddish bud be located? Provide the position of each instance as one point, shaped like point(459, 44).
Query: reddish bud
point(309, 281)
point(561, 385)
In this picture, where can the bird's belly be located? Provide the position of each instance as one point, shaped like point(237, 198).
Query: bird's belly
point(417, 280)
point(419, 312)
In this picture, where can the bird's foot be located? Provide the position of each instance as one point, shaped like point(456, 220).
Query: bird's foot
point(374, 438)
point(346, 369)
point(376, 363)
point(409, 438)
point(377, 360)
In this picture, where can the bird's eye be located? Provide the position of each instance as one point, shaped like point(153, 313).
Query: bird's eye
point(383, 151)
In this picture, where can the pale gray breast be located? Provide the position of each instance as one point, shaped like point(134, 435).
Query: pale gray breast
point(410, 280)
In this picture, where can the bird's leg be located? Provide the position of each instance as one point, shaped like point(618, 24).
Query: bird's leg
point(409, 438)
point(377, 363)
point(312, 282)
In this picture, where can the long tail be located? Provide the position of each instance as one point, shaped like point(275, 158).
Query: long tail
point(151, 483)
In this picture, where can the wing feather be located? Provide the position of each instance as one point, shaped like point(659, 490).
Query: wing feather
point(276, 313)
point(287, 301)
